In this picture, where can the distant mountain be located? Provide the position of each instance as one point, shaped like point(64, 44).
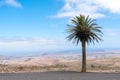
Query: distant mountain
point(4, 57)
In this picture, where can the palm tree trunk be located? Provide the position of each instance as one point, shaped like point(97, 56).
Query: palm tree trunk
point(83, 56)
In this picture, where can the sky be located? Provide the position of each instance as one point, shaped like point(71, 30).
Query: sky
point(29, 26)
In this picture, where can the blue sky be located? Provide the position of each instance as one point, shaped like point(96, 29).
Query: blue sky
point(33, 26)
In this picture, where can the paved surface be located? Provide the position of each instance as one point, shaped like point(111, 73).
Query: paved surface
point(59, 76)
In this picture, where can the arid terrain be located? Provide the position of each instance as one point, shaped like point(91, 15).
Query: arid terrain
point(102, 61)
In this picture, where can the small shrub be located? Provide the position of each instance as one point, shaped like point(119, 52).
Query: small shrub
point(92, 66)
point(21, 68)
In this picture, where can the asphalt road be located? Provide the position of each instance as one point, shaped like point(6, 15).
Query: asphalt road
point(59, 76)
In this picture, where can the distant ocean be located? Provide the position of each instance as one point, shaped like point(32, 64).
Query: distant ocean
point(88, 50)
point(67, 51)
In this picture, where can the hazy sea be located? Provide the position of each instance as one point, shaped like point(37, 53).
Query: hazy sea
point(67, 51)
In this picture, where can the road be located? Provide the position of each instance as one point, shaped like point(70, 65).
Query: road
point(59, 76)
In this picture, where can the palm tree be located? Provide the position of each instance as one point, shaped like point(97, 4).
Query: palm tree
point(85, 30)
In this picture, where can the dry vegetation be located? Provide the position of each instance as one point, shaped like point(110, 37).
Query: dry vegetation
point(93, 65)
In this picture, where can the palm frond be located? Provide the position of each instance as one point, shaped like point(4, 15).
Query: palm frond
point(84, 29)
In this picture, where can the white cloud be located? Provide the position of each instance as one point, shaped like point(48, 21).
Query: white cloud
point(22, 46)
point(29, 44)
point(13, 3)
point(111, 32)
point(96, 8)
point(113, 6)
point(23, 41)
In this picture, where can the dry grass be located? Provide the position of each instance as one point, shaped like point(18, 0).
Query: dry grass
point(93, 65)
